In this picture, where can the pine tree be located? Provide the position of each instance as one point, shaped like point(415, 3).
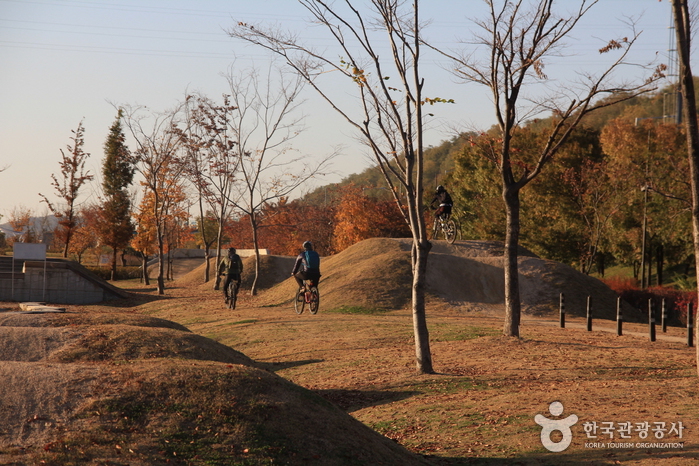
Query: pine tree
point(117, 174)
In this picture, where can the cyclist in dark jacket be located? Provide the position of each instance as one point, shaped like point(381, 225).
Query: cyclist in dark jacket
point(443, 201)
point(232, 267)
point(307, 265)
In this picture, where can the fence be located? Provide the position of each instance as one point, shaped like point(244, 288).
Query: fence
point(620, 320)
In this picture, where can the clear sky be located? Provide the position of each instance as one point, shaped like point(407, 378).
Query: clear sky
point(66, 61)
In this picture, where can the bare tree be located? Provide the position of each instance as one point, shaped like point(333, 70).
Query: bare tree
point(265, 122)
point(517, 41)
point(389, 117)
point(211, 161)
point(683, 31)
point(73, 177)
point(157, 159)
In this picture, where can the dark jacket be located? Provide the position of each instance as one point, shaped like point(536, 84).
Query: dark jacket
point(442, 199)
point(231, 265)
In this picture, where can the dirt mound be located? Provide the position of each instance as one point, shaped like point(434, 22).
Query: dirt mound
point(75, 389)
point(376, 274)
point(273, 269)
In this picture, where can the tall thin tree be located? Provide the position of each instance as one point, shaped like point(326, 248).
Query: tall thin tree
point(683, 32)
point(388, 116)
point(73, 177)
point(116, 228)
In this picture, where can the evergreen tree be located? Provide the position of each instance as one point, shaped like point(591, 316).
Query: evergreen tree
point(116, 228)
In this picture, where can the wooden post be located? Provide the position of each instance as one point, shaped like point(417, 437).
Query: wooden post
point(619, 318)
point(663, 317)
point(651, 320)
point(562, 308)
point(589, 313)
point(690, 325)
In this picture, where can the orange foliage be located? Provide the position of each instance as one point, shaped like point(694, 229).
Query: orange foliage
point(285, 225)
point(359, 217)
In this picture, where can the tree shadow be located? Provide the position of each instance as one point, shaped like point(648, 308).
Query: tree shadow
point(278, 366)
point(352, 400)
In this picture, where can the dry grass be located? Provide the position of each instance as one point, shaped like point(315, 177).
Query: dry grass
point(152, 392)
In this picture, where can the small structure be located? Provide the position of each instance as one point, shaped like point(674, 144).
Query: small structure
point(55, 281)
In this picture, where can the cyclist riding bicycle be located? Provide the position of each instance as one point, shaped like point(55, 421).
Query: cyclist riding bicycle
point(232, 267)
point(443, 199)
point(307, 266)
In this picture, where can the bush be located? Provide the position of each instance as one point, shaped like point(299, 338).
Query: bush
point(122, 273)
point(675, 300)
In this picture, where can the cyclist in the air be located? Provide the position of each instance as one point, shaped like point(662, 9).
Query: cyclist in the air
point(443, 201)
point(307, 266)
point(232, 267)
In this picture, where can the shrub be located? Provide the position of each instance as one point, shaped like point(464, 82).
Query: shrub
point(675, 300)
point(122, 273)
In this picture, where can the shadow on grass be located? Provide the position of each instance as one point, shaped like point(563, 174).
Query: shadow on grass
point(278, 366)
point(352, 400)
point(581, 455)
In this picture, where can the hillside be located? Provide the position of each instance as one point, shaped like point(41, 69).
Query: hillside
point(468, 275)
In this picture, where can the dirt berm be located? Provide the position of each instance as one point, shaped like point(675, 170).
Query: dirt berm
point(122, 389)
point(469, 275)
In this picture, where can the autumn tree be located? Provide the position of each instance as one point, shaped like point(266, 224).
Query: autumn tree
point(517, 39)
point(115, 228)
point(388, 116)
point(20, 220)
point(359, 217)
point(645, 158)
point(210, 140)
point(145, 241)
point(86, 231)
point(73, 177)
point(157, 159)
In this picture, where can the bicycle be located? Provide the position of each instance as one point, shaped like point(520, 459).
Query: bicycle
point(445, 225)
point(233, 287)
point(309, 295)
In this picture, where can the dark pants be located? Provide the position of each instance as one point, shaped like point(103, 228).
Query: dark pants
point(308, 275)
point(229, 278)
point(442, 210)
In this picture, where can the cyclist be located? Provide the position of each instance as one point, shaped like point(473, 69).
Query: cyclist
point(232, 267)
point(443, 201)
point(307, 266)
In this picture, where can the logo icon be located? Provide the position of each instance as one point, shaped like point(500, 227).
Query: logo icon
point(548, 426)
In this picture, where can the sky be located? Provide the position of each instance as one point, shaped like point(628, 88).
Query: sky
point(63, 62)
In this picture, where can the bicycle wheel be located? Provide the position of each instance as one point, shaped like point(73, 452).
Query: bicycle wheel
point(299, 302)
point(450, 231)
point(435, 229)
point(315, 300)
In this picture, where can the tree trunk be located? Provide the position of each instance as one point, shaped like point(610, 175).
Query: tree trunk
point(513, 306)
point(144, 265)
point(114, 263)
point(255, 244)
point(207, 268)
point(683, 30)
point(219, 236)
point(161, 266)
point(423, 353)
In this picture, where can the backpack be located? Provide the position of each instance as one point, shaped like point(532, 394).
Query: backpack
point(312, 260)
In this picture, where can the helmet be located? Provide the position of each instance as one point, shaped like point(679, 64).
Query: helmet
point(307, 245)
point(440, 189)
point(231, 250)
